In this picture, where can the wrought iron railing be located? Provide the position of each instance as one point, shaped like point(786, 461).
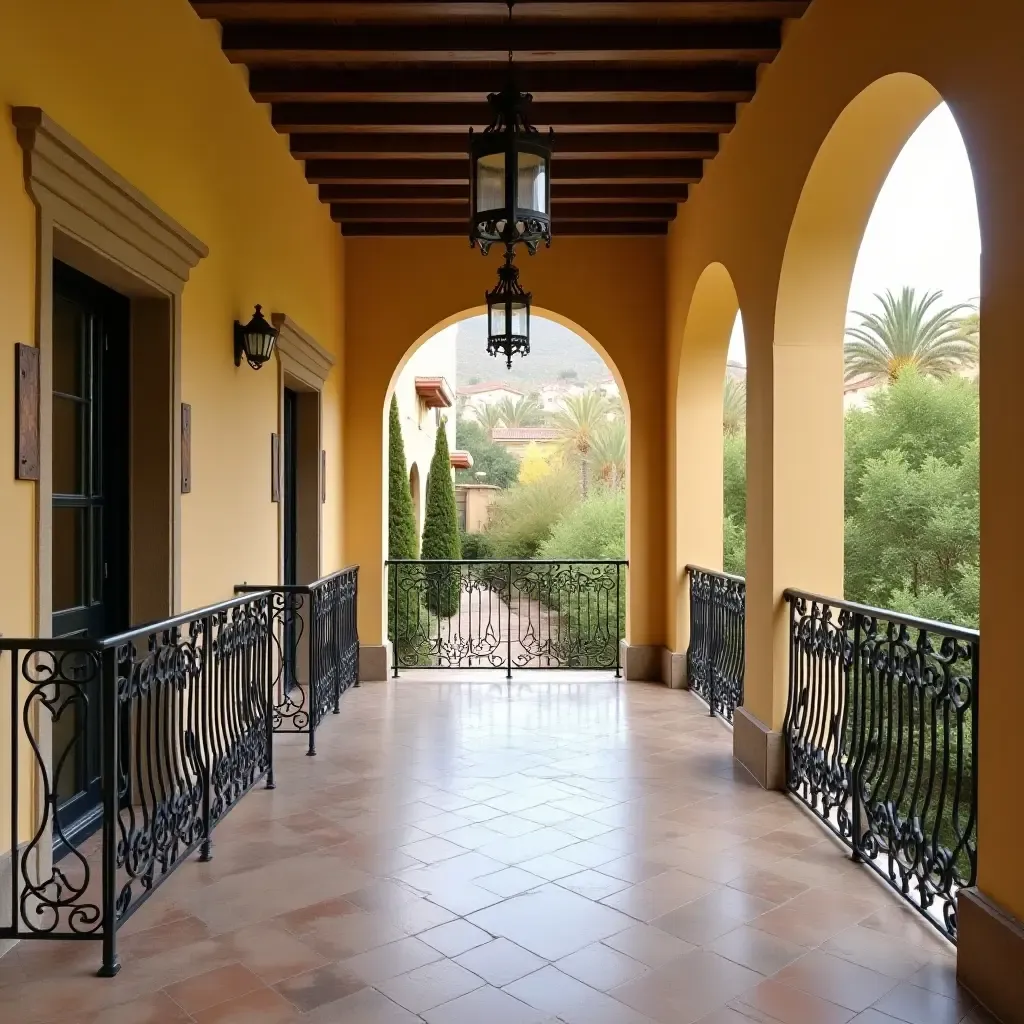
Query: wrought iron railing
point(881, 733)
point(152, 736)
point(316, 649)
point(507, 614)
point(714, 658)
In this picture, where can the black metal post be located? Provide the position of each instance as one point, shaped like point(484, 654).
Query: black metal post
point(394, 640)
point(268, 692)
point(206, 738)
point(109, 713)
point(618, 619)
point(508, 629)
point(858, 763)
point(312, 684)
point(354, 620)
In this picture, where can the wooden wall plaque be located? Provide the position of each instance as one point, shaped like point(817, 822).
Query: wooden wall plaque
point(186, 448)
point(26, 412)
point(275, 467)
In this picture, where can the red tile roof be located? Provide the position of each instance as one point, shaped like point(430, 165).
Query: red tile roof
point(524, 434)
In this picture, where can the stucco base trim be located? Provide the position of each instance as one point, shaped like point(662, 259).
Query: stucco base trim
point(989, 941)
point(673, 670)
point(374, 662)
point(759, 749)
point(641, 663)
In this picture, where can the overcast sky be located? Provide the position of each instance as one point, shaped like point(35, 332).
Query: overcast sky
point(923, 230)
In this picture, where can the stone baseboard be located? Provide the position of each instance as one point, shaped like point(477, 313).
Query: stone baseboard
point(990, 952)
point(374, 662)
point(673, 670)
point(641, 663)
point(759, 749)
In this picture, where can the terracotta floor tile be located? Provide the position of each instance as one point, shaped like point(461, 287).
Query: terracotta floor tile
point(880, 952)
point(761, 952)
point(301, 920)
point(916, 1005)
point(432, 850)
point(182, 931)
point(485, 1005)
point(154, 1009)
point(516, 849)
point(836, 980)
point(510, 882)
point(656, 896)
point(269, 952)
point(550, 866)
point(430, 985)
point(601, 967)
point(216, 986)
point(324, 985)
point(551, 990)
point(263, 1006)
point(390, 960)
point(633, 868)
point(585, 828)
point(787, 1005)
point(704, 919)
point(500, 962)
point(649, 945)
point(767, 885)
point(367, 1006)
point(455, 938)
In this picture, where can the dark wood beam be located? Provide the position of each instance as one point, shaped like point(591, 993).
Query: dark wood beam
point(415, 192)
point(458, 117)
point(440, 172)
point(730, 83)
point(487, 11)
point(419, 145)
point(447, 228)
point(448, 41)
point(409, 212)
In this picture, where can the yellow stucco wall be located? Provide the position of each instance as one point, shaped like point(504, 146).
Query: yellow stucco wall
point(783, 209)
point(400, 290)
point(146, 87)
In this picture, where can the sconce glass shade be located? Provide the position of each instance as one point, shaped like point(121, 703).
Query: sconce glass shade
point(255, 341)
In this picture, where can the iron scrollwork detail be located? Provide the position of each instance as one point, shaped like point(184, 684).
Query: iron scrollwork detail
point(716, 652)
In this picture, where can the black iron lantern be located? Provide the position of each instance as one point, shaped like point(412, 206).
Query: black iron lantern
point(508, 313)
point(510, 174)
point(255, 341)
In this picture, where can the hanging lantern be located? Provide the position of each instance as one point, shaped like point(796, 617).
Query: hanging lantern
point(508, 313)
point(510, 174)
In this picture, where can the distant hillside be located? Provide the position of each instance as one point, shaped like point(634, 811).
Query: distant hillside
point(554, 350)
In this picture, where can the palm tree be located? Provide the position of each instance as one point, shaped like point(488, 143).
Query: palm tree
point(970, 332)
point(488, 415)
point(608, 452)
point(734, 406)
point(908, 332)
point(519, 412)
point(578, 421)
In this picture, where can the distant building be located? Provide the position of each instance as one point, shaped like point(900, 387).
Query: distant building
point(476, 396)
point(473, 503)
point(856, 392)
point(425, 390)
point(517, 439)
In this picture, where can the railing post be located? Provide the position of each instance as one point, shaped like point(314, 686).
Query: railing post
point(857, 763)
point(206, 738)
point(508, 629)
point(713, 645)
point(311, 667)
point(110, 771)
point(268, 692)
point(396, 568)
point(353, 619)
point(618, 619)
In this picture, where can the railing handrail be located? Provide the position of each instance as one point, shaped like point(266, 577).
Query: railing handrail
point(293, 588)
point(887, 614)
point(100, 644)
point(506, 561)
point(715, 572)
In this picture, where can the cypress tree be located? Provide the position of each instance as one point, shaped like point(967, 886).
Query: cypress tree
point(441, 530)
point(402, 540)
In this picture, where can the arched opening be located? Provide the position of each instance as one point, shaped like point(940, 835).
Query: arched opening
point(875, 493)
point(533, 507)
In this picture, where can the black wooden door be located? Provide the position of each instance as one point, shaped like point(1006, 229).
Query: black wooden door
point(90, 517)
point(290, 446)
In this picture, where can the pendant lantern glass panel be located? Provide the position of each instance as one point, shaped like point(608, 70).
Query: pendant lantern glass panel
point(532, 184)
point(490, 182)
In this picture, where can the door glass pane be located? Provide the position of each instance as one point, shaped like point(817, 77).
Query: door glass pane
point(68, 552)
point(531, 192)
point(490, 182)
point(68, 418)
point(67, 347)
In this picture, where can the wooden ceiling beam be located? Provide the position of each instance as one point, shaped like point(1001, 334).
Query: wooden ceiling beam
point(449, 228)
point(730, 83)
point(419, 145)
point(454, 172)
point(561, 211)
point(486, 11)
point(582, 192)
point(447, 42)
point(458, 117)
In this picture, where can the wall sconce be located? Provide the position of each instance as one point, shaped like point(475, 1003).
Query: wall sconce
point(255, 341)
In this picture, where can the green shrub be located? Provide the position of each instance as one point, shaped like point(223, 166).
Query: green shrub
point(595, 528)
point(477, 546)
point(441, 530)
point(501, 467)
point(402, 539)
point(522, 518)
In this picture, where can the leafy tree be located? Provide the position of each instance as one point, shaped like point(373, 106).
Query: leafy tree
point(908, 332)
point(519, 412)
point(595, 528)
point(441, 530)
point(734, 466)
point(578, 421)
point(734, 406)
point(477, 546)
point(402, 539)
point(567, 374)
point(499, 465)
point(523, 517)
point(534, 464)
point(608, 454)
point(734, 546)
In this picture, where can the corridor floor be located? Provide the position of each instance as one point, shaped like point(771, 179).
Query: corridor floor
point(469, 852)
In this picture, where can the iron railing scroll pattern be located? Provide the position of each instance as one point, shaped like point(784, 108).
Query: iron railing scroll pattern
point(316, 649)
point(507, 614)
point(881, 734)
point(715, 655)
point(183, 711)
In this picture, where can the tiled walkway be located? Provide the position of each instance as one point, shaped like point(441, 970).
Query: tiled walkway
point(469, 853)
